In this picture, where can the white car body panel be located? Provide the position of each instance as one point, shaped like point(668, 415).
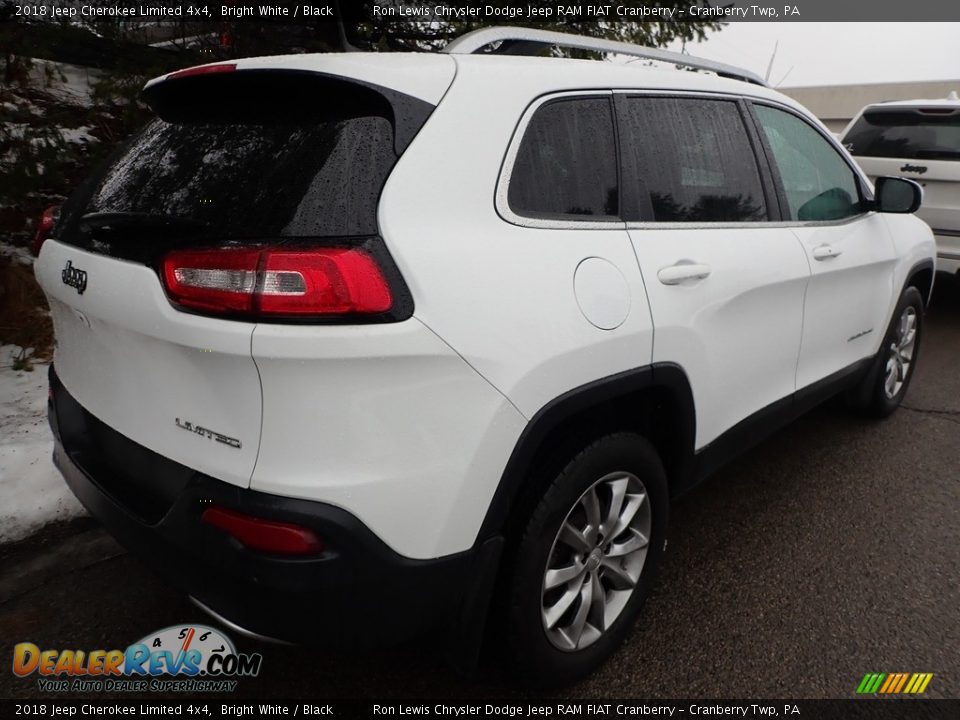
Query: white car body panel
point(138, 365)
point(387, 422)
point(839, 328)
point(735, 333)
point(914, 244)
point(525, 274)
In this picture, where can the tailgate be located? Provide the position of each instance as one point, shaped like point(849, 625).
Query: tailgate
point(236, 163)
point(181, 385)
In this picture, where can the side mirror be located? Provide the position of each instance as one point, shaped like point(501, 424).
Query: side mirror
point(897, 195)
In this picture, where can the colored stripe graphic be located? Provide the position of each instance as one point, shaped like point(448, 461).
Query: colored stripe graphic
point(890, 686)
point(894, 683)
point(870, 683)
point(903, 681)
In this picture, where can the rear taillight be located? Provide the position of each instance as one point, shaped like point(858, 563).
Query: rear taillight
point(45, 225)
point(264, 535)
point(276, 283)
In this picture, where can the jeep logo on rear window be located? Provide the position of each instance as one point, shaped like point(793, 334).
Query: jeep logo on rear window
point(74, 277)
point(919, 169)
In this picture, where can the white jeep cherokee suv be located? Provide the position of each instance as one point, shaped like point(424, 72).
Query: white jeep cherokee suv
point(352, 347)
point(917, 139)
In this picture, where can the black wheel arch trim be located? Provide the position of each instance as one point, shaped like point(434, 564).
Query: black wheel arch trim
point(916, 269)
point(668, 377)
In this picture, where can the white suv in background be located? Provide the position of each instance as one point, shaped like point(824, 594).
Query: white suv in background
point(356, 346)
point(917, 139)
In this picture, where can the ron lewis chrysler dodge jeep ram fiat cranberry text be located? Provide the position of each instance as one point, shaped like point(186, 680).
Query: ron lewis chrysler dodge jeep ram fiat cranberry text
point(372, 344)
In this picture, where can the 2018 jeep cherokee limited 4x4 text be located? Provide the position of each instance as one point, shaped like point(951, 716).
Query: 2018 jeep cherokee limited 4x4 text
point(354, 346)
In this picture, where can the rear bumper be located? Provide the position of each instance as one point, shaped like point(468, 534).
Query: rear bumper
point(358, 591)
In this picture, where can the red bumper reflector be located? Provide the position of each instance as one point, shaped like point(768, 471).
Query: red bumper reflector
point(264, 535)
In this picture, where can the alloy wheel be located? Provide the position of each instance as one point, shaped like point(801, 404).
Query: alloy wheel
point(901, 351)
point(595, 561)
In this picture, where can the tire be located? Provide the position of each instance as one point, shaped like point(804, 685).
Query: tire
point(884, 387)
point(621, 465)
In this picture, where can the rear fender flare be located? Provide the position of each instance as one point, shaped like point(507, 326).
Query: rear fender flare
point(667, 377)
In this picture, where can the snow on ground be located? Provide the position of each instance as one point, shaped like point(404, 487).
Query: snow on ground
point(32, 492)
point(16, 253)
point(78, 135)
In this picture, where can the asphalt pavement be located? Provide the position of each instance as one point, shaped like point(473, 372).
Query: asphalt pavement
point(830, 551)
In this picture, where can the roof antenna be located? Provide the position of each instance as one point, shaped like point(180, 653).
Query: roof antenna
point(785, 76)
point(770, 65)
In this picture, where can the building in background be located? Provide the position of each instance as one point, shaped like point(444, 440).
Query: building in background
point(836, 105)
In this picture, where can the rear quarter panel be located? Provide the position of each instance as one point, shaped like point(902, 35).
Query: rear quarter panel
point(503, 295)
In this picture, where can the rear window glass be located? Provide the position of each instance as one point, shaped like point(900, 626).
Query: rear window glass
point(255, 180)
point(908, 134)
point(566, 166)
point(692, 160)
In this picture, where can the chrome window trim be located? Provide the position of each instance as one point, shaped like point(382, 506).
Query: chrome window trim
point(506, 169)
point(663, 92)
point(501, 201)
point(758, 225)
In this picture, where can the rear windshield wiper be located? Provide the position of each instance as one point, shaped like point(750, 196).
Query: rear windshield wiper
point(151, 221)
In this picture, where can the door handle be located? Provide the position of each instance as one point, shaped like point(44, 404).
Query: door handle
point(825, 252)
point(676, 274)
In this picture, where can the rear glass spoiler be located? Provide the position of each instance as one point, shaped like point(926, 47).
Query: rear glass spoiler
point(281, 96)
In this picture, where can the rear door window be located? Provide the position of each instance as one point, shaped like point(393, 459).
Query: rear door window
point(690, 160)
point(566, 166)
point(914, 134)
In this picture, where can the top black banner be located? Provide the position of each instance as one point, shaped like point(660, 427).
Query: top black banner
point(505, 11)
